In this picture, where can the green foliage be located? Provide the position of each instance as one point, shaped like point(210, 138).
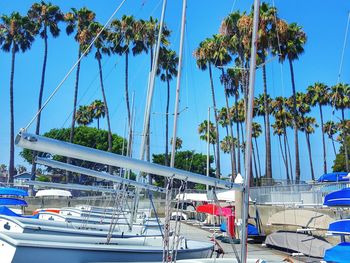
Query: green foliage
point(339, 164)
point(42, 178)
point(86, 136)
point(185, 160)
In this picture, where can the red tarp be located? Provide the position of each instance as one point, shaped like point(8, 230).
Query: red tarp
point(214, 210)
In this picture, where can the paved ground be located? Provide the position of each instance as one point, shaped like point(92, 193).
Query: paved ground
point(254, 250)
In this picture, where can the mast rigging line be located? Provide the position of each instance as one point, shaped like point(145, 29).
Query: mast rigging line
point(75, 64)
point(344, 46)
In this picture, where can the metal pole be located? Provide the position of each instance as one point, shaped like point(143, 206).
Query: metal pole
point(178, 82)
point(151, 86)
point(208, 146)
point(248, 149)
point(48, 145)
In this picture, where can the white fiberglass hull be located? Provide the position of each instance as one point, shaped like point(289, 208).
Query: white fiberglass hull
point(17, 248)
point(10, 224)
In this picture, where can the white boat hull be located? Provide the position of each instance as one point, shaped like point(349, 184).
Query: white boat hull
point(17, 248)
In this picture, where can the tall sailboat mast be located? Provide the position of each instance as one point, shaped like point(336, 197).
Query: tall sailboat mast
point(178, 83)
point(248, 147)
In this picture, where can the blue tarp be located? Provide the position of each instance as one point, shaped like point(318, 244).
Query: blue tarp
point(342, 226)
point(338, 254)
point(338, 198)
point(12, 201)
point(334, 177)
point(12, 191)
point(252, 230)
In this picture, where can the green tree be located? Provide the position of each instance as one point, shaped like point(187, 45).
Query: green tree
point(339, 164)
point(204, 56)
point(283, 119)
point(319, 95)
point(99, 111)
point(17, 35)
point(101, 47)
point(290, 47)
point(78, 21)
point(167, 69)
point(85, 136)
point(46, 18)
point(340, 99)
point(84, 115)
point(178, 143)
point(188, 161)
point(330, 129)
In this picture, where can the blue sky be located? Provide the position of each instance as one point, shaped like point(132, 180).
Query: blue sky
point(323, 21)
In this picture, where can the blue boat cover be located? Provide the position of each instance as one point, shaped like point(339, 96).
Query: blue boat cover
point(334, 177)
point(340, 227)
point(338, 254)
point(8, 212)
point(12, 201)
point(338, 198)
point(12, 191)
point(252, 230)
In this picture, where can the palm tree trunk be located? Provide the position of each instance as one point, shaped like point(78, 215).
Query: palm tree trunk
point(335, 152)
point(323, 142)
point(290, 160)
point(167, 123)
point(257, 154)
point(283, 157)
point(12, 119)
point(310, 156)
point(127, 85)
point(255, 167)
point(98, 123)
point(76, 87)
point(232, 152)
point(41, 91)
point(238, 137)
point(286, 156)
point(295, 115)
point(345, 142)
point(268, 167)
point(216, 123)
point(106, 109)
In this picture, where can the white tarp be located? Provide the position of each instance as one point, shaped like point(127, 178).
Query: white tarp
point(53, 192)
point(226, 196)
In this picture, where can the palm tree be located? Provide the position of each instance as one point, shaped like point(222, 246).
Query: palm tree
point(340, 99)
point(102, 48)
point(330, 128)
point(291, 46)
point(266, 21)
point(17, 35)
point(307, 125)
point(319, 95)
point(167, 69)
point(256, 132)
point(123, 34)
point(178, 143)
point(203, 132)
point(84, 115)
point(204, 55)
point(303, 107)
point(99, 111)
point(78, 21)
point(46, 17)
